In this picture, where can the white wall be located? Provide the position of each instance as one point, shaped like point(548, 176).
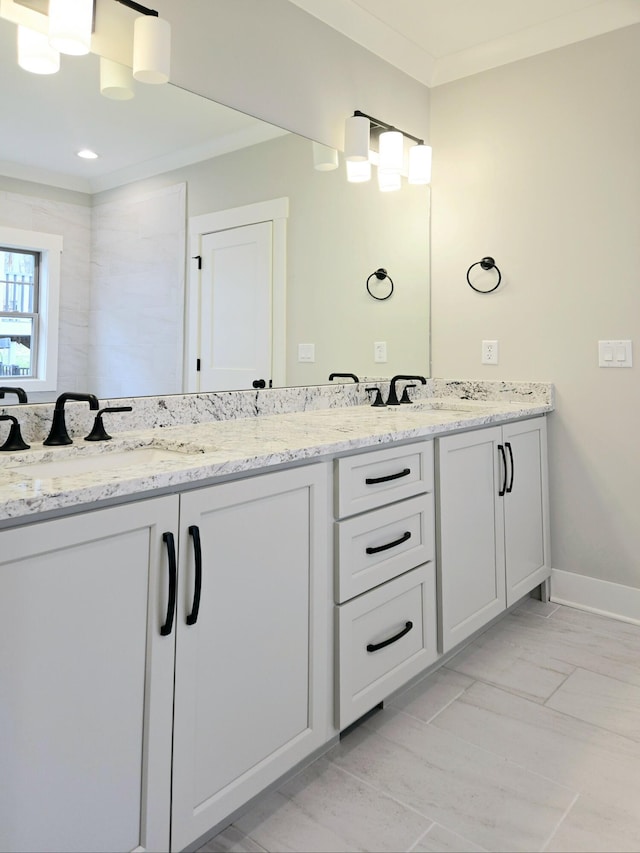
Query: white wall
point(538, 164)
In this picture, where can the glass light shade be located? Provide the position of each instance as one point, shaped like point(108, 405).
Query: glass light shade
point(358, 171)
point(325, 158)
point(389, 181)
point(391, 146)
point(151, 49)
point(356, 139)
point(116, 81)
point(70, 24)
point(35, 54)
point(420, 164)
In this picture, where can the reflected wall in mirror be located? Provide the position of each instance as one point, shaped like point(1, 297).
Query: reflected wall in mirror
point(124, 222)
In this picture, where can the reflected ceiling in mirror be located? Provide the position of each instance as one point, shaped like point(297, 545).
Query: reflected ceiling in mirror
point(198, 157)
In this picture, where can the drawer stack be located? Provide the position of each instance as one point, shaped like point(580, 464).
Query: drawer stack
point(385, 596)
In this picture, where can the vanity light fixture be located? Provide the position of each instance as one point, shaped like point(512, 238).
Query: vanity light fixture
point(151, 45)
point(116, 80)
point(35, 54)
point(70, 26)
point(390, 155)
point(325, 158)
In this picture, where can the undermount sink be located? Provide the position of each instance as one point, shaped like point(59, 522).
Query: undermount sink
point(85, 463)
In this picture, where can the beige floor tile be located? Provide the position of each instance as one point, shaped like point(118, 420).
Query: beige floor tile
point(231, 840)
point(428, 697)
point(529, 673)
point(441, 840)
point(325, 809)
point(607, 702)
point(484, 798)
point(594, 827)
point(538, 608)
point(577, 754)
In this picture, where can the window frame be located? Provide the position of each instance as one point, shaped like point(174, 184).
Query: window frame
point(49, 247)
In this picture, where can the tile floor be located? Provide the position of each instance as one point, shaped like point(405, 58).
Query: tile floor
point(529, 739)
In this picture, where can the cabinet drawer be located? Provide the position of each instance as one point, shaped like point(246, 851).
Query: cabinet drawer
point(385, 637)
point(382, 544)
point(370, 480)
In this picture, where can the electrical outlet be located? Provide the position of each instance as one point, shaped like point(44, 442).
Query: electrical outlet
point(380, 352)
point(489, 352)
point(306, 352)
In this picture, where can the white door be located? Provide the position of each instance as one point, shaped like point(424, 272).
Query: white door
point(235, 308)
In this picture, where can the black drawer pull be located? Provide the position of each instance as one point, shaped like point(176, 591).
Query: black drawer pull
point(504, 469)
point(386, 547)
point(374, 647)
point(166, 629)
point(510, 486)
point(194, 532)
point(371, 481)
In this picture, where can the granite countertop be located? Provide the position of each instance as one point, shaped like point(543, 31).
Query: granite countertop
point(216, 449)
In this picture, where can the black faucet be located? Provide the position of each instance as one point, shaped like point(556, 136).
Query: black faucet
point(19, 392)
point(58, 434)
point(333, 376)
point(393, 396)
point(14, 439)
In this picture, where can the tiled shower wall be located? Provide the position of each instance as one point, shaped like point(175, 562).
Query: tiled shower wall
point(122, 285)
point(137, 287)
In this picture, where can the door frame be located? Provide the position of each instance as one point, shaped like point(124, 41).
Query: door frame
point(275, 211)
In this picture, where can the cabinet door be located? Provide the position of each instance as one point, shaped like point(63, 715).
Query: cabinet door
point(526, 507)
point(251, 670)
point(86, 682)
point(471, 568)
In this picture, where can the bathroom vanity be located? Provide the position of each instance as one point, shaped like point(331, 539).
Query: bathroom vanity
point(190, 612)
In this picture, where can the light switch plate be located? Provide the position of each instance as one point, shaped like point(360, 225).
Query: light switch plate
point(615, 354)
point(306, 352)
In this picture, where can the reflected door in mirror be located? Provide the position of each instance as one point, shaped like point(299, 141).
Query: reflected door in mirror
point(235, 298)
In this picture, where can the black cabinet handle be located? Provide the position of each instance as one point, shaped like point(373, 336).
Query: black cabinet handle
point(393, 544)
point(166, 629)
point(370, 481)
point(374, 647)
point(504, 469)
point(194, 532)
point(510, 486)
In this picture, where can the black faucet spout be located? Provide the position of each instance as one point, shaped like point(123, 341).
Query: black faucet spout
point(393, 394)
point(19, 392)
point(58, 434)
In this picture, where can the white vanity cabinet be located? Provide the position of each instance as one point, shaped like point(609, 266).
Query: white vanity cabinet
point(86, 681)
point(100, 749)
point(252, 654)
point(493, 523)
point(385, 613)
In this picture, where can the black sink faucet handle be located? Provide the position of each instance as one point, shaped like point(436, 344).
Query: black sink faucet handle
point(19, 392)
point(98, 432)
point(58, 434)
point(14, 439)
point(405, 394)
point(378, 401)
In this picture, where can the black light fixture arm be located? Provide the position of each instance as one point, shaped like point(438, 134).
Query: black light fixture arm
point(137, 7)
point(378, 123)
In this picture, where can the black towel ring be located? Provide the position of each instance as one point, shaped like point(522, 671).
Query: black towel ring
point(380, 274)
point(486, 264)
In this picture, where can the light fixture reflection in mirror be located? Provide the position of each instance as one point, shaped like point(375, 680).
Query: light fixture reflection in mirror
point(336, 232)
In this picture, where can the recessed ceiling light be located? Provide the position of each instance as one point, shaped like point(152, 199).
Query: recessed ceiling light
point(87, 154)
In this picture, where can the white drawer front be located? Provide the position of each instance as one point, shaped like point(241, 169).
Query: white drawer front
point(382, 544)
point(369, 666)
point(369, 480)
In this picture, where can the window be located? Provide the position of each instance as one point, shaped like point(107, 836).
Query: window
point(29, 297)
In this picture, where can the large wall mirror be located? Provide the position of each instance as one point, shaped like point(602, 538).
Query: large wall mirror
point(132, 307)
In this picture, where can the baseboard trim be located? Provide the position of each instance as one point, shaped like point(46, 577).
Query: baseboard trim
point(596, 596)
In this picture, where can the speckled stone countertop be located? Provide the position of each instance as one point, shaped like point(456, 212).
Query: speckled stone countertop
point(197, 453)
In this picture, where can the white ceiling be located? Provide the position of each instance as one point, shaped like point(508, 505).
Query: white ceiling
point(436, 41)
